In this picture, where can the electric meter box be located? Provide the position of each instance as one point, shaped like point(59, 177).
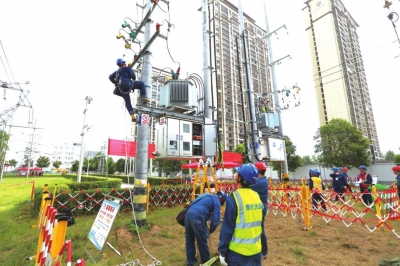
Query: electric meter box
point(183, 139)
point(276, 150)
point(178, 93)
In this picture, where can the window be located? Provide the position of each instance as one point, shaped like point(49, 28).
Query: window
point(186, 128)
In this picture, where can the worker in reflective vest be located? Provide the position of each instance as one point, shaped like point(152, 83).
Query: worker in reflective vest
point(316, 186)
point(366, 181)
point(240, 236)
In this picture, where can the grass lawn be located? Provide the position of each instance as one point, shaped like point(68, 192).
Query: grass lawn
point(329, 243)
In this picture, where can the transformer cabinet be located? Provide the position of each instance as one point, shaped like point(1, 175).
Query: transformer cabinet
point(184, 139)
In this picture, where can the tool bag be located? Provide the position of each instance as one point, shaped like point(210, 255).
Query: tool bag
point(180, 218)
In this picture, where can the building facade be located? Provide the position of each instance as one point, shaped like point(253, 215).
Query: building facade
point(338, 69)
point(227, 92)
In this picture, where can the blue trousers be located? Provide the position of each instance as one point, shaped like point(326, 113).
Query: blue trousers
point(264, 241)
point(196, 230)
point(235, 259)
point(122, 89)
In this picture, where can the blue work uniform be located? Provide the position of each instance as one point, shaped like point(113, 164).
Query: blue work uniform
point(398, 186)
point(261, 187)
point(125, 81)
point(203, 208)
point(227, 234)
point(338, 182)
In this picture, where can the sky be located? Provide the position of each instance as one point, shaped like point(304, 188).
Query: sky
point(67, 50)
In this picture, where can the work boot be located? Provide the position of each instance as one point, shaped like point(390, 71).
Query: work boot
point(134, 120)
point(145, 100)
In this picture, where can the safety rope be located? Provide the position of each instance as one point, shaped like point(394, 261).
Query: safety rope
point(136, 262)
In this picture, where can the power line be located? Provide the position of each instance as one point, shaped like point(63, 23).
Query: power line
point(5, 55)
point(357, 57)
point(340, 70)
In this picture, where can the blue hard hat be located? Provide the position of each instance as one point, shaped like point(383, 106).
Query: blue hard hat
point(340, 168)
point(222, 196)
point(335, 169)
point(249, 173)
point(120, 61)
point(315, 172)
point(362, 167)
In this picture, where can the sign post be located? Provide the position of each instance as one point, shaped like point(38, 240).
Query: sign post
point(101, 227)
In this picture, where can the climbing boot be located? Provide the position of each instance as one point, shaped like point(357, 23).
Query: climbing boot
point(134, 120)
point(145, 100)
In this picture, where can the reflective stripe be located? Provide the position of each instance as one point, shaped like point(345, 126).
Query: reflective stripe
point(246, 240)
point(248, 225)
point(317, 183)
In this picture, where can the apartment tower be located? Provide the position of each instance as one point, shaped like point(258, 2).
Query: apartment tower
point(227, 94)
point(338, 69)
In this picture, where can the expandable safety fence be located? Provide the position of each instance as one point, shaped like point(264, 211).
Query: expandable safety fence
point(52, 228)
point(376, 209)
point(293, 201)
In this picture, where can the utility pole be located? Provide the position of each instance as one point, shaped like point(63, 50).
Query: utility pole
point(30, 150)
point(142, 140)
point(249, 86)
point(206, 63)
point(88, 100)
point(285, 175)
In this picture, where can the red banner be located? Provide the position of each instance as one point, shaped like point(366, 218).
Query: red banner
point(127, 148)
point(234, 157)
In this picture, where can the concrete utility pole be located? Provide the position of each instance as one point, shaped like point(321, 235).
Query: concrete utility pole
point(249, 85)
point(88, 100)
point(142, 140)
point(275, 93)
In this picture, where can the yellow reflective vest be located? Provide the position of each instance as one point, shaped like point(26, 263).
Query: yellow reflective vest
point(317, 183)
point(246, 236)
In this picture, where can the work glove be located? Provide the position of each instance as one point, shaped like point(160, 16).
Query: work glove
point(222, 261)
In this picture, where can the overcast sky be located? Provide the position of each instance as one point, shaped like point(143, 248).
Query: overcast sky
point(67, 49)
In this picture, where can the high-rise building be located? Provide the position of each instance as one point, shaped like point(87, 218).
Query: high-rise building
point(227, 94)
point(338, 69)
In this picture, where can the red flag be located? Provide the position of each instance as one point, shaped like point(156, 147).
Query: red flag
point(127, 148)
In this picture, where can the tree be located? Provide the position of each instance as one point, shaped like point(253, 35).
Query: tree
point(56, 164)
point(120, 165)
point(26, 162)
point(241, 148)
point(307, 159)
point(75, 166)
point(294, 161)
point(3, 147)
point(396, 159)
point(340, 143)
point(389, 155)
point(43, 161)
point(12, 163)
point(110, 165)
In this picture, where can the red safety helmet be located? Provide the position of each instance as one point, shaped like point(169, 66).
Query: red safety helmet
point(260, 166)
point(396, 168)
point(345, 169)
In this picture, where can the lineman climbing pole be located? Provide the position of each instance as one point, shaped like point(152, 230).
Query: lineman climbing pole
point(142, 142)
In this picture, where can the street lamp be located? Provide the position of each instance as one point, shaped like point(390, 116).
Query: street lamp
point(84, 128)
point(390, 17)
